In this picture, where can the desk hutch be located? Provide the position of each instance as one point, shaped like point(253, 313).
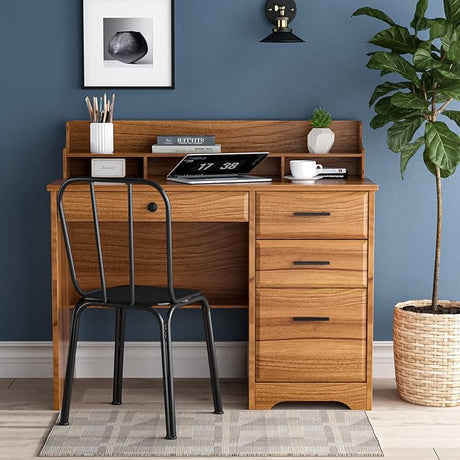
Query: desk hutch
point(300, 258)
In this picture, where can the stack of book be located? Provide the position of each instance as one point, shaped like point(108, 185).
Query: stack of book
point(186, 144)
point(333, 173)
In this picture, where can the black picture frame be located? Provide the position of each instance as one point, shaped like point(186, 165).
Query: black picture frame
point(116, 32)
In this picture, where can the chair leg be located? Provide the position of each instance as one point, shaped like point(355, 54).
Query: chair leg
point(120, 326)
point(168, 383)
point(70, 368)
point(170, 379)
point(206, 311)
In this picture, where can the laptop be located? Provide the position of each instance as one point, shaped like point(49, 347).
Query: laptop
point(218, 168)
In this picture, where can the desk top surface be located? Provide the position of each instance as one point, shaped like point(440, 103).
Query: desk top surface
point(351, 184)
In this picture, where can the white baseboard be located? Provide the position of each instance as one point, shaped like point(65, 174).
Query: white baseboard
point(143, 359)
point(384, 367)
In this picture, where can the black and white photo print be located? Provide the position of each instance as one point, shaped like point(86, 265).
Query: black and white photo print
point(128, 43)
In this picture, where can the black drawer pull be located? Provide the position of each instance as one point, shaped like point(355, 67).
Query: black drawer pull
point(312, 214)
point(310, 318)
point(152, 207)
point(311, 262)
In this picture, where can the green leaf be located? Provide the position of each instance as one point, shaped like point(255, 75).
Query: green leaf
point(442, 148)
point(379, 121)
point(454, 115)
point(397, 39)
point(409, 101)
point(408, 152)
point(402, 132)
point(383, 106)
point(454, 52)
point(423, 59)
point(374, 13)
point(393, 63)
point(438, 27)
point(446, 172)
point(387, 112)
point(450, 89)
point(449, 37)
point(444, 74)
point(452, 10)
point(418, 22)
point(386, 88)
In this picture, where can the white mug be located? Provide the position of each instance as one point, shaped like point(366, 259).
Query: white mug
point(304, 169)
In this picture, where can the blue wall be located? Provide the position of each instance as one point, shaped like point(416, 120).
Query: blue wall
point(222, 72)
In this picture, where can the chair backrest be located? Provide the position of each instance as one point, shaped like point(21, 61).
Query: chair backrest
point(129, 182)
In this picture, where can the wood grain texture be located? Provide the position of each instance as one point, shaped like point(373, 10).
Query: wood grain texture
point(282, 138)
point(217, 266)
point(347, 219)
point(270, 394)
point(287, 136)
point(352, 184)
point(277, 308)
point(252, 298)
point(311, 360)
point(192, 207)
point(63, 298)
point(347, 263)
point(370, 298)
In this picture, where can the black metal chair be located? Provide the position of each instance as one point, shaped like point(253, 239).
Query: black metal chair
point(133, 297)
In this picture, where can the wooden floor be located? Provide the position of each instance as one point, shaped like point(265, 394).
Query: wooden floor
point(405, 431)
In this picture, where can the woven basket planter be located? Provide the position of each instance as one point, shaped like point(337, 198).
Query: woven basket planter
point(427, 355)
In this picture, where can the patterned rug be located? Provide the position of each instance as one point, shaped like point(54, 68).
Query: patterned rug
point(237, 433)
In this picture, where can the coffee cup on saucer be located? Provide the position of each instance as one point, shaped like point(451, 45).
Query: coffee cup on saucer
point(305, 169)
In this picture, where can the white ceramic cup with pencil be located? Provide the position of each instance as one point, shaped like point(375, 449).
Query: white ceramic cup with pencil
point(101, 124)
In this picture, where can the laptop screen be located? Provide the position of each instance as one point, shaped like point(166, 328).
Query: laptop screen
point(217, 164)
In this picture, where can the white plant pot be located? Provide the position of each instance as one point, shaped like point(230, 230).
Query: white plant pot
point(320, 140)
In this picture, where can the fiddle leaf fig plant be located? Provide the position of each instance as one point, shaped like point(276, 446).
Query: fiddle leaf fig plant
point(424, 62)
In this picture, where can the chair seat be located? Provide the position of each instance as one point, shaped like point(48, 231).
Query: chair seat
point(145, 296)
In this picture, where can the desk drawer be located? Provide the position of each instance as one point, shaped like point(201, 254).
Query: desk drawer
point(311, 360)
point(319, 215)
point(285, 314)
point(186, 207)
point(311, 263)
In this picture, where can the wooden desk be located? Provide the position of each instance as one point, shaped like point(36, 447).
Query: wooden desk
point(299, 257)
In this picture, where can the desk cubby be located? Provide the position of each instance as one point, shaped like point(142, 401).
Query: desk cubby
point(284, 140)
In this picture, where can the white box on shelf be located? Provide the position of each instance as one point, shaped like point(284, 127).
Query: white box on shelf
point(102, 167)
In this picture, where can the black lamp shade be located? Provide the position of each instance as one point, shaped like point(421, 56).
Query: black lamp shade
point(282, 37)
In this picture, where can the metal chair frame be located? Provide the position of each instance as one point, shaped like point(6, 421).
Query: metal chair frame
point(164, 323)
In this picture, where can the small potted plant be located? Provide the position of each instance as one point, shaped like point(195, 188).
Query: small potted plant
point(426, 60)
point(321, 138)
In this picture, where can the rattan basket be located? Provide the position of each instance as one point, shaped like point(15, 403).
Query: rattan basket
point(427, 355)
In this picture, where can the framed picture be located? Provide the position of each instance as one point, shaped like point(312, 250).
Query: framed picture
point(128, 43)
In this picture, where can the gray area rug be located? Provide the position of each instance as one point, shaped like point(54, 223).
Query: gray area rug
point(237, 433)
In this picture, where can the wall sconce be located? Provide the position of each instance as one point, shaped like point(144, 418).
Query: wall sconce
point(281, 13)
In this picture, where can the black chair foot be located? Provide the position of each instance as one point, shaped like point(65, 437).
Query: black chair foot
point(218, 412)
point(116, 403)
point(63, 423)
point(170, 437)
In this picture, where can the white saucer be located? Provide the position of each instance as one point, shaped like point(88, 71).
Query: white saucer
point(310, 180)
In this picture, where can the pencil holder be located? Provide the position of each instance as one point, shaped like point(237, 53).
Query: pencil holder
point(101, 137)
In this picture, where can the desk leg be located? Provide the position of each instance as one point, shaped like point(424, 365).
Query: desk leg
point(252, 302)
point(61, 303)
